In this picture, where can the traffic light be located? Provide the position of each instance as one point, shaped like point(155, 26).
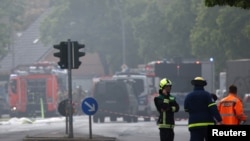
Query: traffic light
point(62, 54)
point(69, 52)
point(76, 54)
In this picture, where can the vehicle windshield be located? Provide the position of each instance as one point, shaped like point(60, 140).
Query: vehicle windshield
point(138, 84)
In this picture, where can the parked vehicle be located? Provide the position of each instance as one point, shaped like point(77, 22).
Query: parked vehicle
point(36, 89)
point(180, 72)
point(115, 99)
point(143, 91)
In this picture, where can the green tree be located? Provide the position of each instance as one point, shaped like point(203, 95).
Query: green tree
point(148, 28)
point(97, 24)
point(160, 31)
point(220, 32)
point(233, 3)
point(153, 29)
point(179, 25)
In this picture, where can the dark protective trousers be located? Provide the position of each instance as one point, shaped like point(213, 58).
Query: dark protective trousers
point(166, 134)
point(198, 134)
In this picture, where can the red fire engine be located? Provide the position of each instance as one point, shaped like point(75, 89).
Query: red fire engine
point(36, 88)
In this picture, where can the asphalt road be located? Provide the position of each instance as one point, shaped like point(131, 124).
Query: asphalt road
point(122, 131)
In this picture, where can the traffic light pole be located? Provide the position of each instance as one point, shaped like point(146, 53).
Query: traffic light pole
point(70, 90)
point(69, 55)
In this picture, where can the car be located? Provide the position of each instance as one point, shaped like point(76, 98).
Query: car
point(115, 99)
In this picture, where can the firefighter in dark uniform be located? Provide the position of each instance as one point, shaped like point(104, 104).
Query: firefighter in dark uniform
point(166, 105)
point(202, 110)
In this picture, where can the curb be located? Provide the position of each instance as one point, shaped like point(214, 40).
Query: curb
point(68, 139)
point(64, 137)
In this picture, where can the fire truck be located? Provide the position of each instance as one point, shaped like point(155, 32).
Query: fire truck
point(180, 73)
point(36, 88)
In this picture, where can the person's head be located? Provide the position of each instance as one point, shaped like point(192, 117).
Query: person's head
point(199, 81)
point(165, 86)
point(233, 89)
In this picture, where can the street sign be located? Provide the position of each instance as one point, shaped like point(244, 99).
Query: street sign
point(89, 106)
point(62, 107)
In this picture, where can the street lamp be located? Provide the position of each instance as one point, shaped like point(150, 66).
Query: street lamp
point(121, 13)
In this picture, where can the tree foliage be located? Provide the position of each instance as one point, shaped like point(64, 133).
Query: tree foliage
point(98, 24)
point(222, 32)
point(245, 4)
point(148, 25)
point(148, 29)
point(178, 25)
point(154, 29)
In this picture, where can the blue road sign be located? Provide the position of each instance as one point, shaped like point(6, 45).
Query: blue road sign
point(89, 106)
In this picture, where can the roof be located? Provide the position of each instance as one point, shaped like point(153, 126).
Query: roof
point(26, 49)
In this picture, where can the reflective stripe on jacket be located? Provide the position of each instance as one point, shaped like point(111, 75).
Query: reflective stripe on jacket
point(163, 124)
point(231, 110)
point(200, 124)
